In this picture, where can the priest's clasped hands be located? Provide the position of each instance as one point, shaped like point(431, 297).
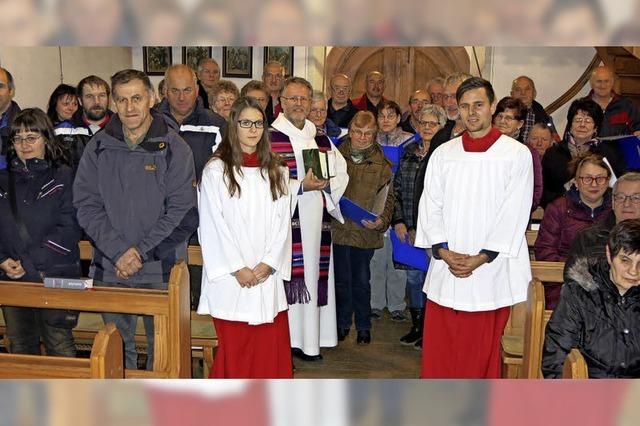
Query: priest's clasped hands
point(250, 277)
point(462, 265)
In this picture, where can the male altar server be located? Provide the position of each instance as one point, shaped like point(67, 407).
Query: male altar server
point(473, 215)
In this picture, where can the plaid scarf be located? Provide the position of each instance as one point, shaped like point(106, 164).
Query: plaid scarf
point(296, 289)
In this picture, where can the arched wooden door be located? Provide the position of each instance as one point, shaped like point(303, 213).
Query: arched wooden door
point(406, 68)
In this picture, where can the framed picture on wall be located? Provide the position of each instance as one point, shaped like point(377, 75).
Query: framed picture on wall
point(237, 61)
point(282, 54)
point(191, 55)
point(156, 59)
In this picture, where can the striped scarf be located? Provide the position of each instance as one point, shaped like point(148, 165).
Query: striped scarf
point(296, 289)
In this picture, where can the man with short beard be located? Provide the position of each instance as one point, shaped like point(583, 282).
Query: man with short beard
point(93, 116)
point(311, 291)
point(373, 95)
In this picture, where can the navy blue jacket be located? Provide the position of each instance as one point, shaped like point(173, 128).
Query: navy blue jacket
point(44, 203)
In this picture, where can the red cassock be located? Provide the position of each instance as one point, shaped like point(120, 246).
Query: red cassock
point(253, 351)
point(462, 345)
point(248, 407)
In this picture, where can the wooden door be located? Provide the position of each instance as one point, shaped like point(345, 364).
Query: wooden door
point(406, 68)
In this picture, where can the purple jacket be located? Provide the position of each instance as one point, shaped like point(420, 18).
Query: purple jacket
point(562, 220)
point(537, 177)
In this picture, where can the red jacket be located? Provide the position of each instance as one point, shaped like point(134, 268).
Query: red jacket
point(562, 220)
point(361, 104)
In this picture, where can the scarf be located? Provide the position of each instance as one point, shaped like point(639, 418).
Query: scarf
point(577, 150)
point(283, 136)
point(359, 155)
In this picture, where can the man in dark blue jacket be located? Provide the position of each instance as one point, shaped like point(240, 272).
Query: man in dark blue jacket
point(136, 200)
point(201, 128)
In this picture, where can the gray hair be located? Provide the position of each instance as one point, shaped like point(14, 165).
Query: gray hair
point(436, 110)
point(224, 86)
point(272, 63)
point(437, 80)
point(296, 80)
point(456, 77)
point(627, 177)
point(203, 61)
point(177, 67)
point(318, 96)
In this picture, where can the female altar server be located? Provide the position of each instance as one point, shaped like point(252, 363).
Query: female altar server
point(245, 233)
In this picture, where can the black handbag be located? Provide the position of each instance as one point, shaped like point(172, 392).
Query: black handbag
point(59, 318)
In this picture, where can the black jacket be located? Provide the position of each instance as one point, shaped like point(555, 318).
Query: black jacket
point(555, 171)
point(202, 130)
point(593, 317)
point(4, 132)
point(74, 135)
point(202, 93)
point(590, 242)
point(341, 117)
point(443, 135)
point(44, 204)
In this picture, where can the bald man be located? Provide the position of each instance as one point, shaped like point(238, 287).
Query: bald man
point(621, 117)
point(524, 88)
point(340, 108)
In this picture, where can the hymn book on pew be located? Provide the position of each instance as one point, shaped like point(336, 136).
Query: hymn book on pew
point(323, 164)
point(68, 283)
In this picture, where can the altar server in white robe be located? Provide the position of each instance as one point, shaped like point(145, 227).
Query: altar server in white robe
point(310, 292)
point(473, 215)
point(245, 233)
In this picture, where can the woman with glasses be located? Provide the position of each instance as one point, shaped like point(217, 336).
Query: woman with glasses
point(39, 233)
point(369, 186)
point(408, 185)
point(584, 119)
point(245, 232)
point(388, 283)
point(509, 118)
point(223, 94)
point(587, 201)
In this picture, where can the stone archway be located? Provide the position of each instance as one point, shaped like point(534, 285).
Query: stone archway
point(406, 68)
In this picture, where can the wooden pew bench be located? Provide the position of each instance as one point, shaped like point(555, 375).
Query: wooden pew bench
point(169, 308)
point(203, 336)
point(105, 361)
point(513, 339)
point(575, 367)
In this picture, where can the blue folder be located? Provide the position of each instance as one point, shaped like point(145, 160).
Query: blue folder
point(394, 153)
point(405, 253)
point(354, 212)
point(630, 147)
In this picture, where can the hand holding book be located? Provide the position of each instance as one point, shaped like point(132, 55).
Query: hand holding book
point(312, 183)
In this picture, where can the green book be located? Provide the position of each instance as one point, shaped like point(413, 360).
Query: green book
point(321, 163)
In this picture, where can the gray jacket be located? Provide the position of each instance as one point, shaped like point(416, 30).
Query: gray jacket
point(143, 198)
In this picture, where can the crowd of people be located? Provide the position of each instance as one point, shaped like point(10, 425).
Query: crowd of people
point(256, 176)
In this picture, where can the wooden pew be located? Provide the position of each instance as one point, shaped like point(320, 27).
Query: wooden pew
point(106, 361)
point(169, 308)
point(575, 367)
point(513, 339)
point(203, 335)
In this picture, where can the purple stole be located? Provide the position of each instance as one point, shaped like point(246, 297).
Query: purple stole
point(296, 289)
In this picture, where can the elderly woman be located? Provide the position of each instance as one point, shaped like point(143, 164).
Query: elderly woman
point(509, 119)
point(38, 232)
point(222, 96)
point(370, 179)
point(584, 118)
point(408, 186)
point(63, 103)
point(540, 138)
point(318, 116)
point(598, 311)
point(388, 283)
point(257, 90)
point(587, 202)
point(390, 133)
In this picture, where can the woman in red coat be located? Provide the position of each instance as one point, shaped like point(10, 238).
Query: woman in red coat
point(587, 201)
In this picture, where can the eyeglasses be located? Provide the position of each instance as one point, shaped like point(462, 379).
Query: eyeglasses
point(507, 118)
point(447, 97)
point(588, 180)
point(359, 133)
point(436, 97)
point(621, 198)
point(30, 140)
point(318, 111)
point(341, 89)
point(246, 124)
point(585, 120)
point(296, 99)
point(430, 124)
point(418, 102)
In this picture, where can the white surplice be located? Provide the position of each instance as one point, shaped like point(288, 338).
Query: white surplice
point(475, 201)
point(242, 231)
point(312, 326)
